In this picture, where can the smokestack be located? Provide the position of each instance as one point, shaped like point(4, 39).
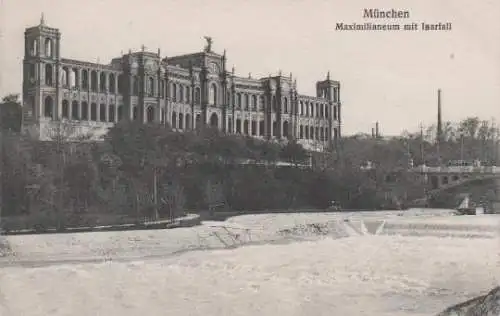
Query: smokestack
point(439, 119)
point(373, 132)
point(377, 134)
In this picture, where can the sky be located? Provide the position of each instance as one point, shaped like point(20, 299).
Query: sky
point(390, 77)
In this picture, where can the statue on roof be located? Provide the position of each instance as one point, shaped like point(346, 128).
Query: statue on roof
point(208, 47)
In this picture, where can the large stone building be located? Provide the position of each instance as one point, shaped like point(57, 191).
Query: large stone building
point(183, 91)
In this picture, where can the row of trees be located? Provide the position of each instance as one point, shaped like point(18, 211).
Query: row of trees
point(469, 139)
point(149, 171)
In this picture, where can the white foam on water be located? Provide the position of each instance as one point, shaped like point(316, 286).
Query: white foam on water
point(357, 275)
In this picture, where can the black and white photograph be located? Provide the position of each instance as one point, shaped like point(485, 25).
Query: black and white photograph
point(243, 158)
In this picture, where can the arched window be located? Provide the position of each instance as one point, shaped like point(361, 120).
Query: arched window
point(247, 102)
point(65, 109)
point(73, 79)
point(162, 89)
point(335, 114)
point(261, 128)
point(49, 107)
point(151, 87)
point(48, 47)
point(49, 71)
point(31, 105)
point(181, 121)
point(275, 129)
point(316, 110)
point(85, 110)
point(262, 103)
point(181, 93)
point(34, 47)
point(301, 132)
point(135, 113)
point(254, 128)
point(254, 102)
point(245, 127)
point(120, 113)
point(121, 84)
point(198, 120)
point(93, 112)
point(285, 105)
point(214, 120)
point(135, 85)
point(238, 126)
point(102, 82)
point(188, 121)
point(174, 92)
point(111, 113)
point(111, 85)
point(311, 132)
point(150, 114)
point(75, 113)
point(285, 129)
point(174, 120)
point(65, 77)
point(85, 79)
point(102, 113)
point(238, 100)
point(188, 94)
point(213, 94)
point(32, 73)
point(197, 95)
point(93, 81)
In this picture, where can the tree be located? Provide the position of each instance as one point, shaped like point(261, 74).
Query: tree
point(294, 153)
point(11, 113)
point(148, 153)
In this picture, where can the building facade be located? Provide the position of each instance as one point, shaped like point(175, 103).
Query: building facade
point(182, 91)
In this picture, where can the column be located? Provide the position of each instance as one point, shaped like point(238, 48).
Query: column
point(70, 106)
point(98, 79)
point(80, 109)
point(78, 78)
point(130, 87)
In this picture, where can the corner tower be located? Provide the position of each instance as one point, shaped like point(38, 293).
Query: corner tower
point(40, 72)
point(330, 90)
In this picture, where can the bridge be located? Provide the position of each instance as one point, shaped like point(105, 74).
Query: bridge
point(446, 177)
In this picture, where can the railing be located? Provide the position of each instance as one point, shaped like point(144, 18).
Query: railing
point(458, 169)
